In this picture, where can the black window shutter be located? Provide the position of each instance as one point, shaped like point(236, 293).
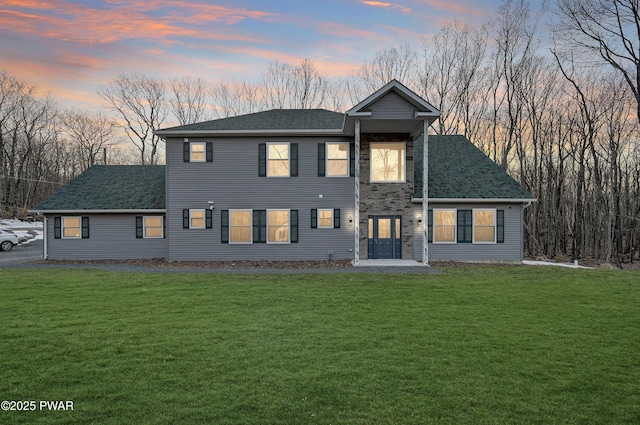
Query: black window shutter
point(57, 227)
point(336, 218)
point(208, 219)
point(500, 226)
point(224, 226)
point(186, 152)
point(85, 227)
point(259, 226)
point(465, 226)
point(293, 219)
point(164, 227)
point(139, 227)
point(209, 152)
point(430, 226)
point(262, 160)
point(185, 218)
point(314, 218)
point(352, 159)
point(293, 159)
point(322, 149)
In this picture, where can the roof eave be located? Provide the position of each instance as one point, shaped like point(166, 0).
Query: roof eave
point(101, 211)
point(240, 133)
point(476, 200)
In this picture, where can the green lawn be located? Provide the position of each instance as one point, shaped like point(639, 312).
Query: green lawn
point(474, 345)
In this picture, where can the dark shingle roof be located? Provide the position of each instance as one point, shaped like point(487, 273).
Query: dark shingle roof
point(459, 170)
point(110, 187)
point(276, 119)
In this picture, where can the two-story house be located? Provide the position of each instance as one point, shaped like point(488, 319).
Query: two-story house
point(298, 185)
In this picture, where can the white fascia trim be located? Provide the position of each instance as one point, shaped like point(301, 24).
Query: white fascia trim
point(98, 211)
point(363, 115)
point(423, 115)
point(475, 200)
point(221, 133)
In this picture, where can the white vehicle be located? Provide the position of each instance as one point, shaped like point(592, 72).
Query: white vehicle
point(7, 240)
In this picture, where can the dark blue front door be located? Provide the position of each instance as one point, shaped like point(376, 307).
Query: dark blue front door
point(385, 239)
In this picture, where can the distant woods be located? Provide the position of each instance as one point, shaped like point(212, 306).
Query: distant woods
point(555, 105)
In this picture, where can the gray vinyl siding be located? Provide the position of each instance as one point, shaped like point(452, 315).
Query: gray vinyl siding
point(510, 250)
point(111, 236)
point(392, 106)
point(231, 181)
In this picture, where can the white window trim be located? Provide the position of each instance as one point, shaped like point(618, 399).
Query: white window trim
point(288, 159)
point(332, 218)
point(495, 226)
point(62, 226)
point(250, 227)
point(326, 159)
point(404, 171)
point(288, 233)
point(455, 226)
point(204, 151)
point(144, 227)
point(204, 218)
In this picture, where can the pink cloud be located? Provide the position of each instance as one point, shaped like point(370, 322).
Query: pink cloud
point(386, 5)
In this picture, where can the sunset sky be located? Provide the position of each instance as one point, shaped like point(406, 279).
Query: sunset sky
point(71, 47)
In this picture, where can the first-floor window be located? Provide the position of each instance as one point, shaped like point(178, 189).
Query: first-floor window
point(196, 219)
point(240, 226)
point(484, 226)
point(153, 227)
point(71, 227)
point(325, 219)
point(444, 226)
point(278, 226)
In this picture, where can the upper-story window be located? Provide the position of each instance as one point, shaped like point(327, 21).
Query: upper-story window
point(198, 151)
point(337, 159)
point(277, 160)
point(388, 162)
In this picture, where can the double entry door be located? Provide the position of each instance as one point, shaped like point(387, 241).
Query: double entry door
point(384, 236)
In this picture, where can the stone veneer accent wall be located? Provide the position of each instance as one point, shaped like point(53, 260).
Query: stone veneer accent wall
point(386, 198)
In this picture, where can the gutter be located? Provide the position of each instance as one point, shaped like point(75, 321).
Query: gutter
point(112, 211)
point(476, 200)
point(239, 133)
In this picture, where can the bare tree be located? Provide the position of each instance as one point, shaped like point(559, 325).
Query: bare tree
point(140, 101)
point(388, 64)
point(92, 134)
point(453, 77)
point(309, 87)
point(190, 100)
point(608, 31)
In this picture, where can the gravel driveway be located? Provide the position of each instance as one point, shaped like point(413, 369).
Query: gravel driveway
point(30, 256)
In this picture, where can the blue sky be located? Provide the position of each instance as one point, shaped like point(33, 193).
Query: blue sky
point(71, 47)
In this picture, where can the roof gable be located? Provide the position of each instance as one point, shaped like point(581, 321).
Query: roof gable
point(395, 88)
point(110, 187)
point(459, 170)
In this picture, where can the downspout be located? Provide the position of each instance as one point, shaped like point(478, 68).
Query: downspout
point(356, 260)
point(45, 240)
point(425, 194)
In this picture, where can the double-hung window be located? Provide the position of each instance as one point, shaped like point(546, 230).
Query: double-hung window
point(337, 159)
point(484, 226)
point(240, 226)
point(444, 226)
point(196, 219)
point(149, 227)
point(388, 162)
point(277, 226)
point(277, 159)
